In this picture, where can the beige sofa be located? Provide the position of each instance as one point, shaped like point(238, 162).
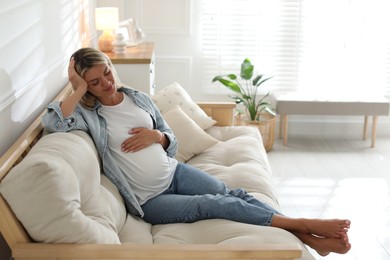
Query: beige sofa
point(56, 204)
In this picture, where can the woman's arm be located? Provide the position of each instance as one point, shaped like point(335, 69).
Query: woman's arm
point(80, 87)
point(169, 141)
point(62, 116)
point(164, 141)
point(143, 137)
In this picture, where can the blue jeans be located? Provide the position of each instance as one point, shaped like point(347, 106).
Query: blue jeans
point(194, 195)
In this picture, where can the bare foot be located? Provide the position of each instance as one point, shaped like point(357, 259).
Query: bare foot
point(329, 228)
point(335, 245)
point(324, 246)
point(326, 228)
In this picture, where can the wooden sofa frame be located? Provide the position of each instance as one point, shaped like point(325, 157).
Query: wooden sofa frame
point(23, 247)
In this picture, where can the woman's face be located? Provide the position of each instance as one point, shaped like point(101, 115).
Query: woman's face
point(101, 82)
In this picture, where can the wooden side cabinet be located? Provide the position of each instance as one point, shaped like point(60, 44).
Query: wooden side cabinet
point(135, 67)
point(222, 112)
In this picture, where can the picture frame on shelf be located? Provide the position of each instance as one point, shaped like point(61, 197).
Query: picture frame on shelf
point(132, 33)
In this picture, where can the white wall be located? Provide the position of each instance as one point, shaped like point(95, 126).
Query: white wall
point(174, 27)
point(37, 39)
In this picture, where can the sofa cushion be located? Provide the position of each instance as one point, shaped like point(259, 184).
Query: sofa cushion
point(240, 160)
point(55, 192)
point(191, 139)
point(173, 95)
point(218, 231)
point(136, 230)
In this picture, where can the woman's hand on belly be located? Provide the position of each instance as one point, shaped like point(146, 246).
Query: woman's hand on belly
point(140, 138)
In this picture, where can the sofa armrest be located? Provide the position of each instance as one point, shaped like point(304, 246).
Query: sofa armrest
point(10, 227)
point(222, 112)
point(142, 251)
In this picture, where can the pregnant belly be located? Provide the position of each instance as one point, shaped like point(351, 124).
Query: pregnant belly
point(148, 167)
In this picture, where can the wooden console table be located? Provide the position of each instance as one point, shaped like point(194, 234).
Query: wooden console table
point(316, 104)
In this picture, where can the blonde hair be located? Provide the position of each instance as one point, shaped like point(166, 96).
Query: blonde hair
point(85, 59)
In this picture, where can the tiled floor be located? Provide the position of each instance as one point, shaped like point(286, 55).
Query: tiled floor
point(335, 177)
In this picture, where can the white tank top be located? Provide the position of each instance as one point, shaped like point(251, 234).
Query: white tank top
point(148, 171)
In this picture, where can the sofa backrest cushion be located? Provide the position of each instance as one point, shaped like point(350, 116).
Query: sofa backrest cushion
point(175, 95)
point(56, 193)
point(191, 139)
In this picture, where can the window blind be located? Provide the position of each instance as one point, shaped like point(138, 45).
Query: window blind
point(344, 46)
point(316, 45)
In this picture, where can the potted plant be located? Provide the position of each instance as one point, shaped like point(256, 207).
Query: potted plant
point(259, 111)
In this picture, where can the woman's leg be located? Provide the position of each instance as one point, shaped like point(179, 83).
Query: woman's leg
point(177, 208)
point(195, 195)
point(189, 180)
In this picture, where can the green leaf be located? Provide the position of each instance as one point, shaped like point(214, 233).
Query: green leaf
point(232, 76)
point(237, 99)
point(270, 110)
point(262, 81)
point(252, 112)
point(266, 95)
point(229, 84)
point(256, 79)
point(216, 78)
point(246, 97)
point(246, 69)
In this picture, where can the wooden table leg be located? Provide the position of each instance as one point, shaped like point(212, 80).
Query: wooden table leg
point(373, 131)
point(280, 126)
point(285, 128)
point(365, 128)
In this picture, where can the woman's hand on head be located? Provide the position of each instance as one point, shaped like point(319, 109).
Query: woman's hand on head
point(77, 81)
point(141, 138)
point(80, 87)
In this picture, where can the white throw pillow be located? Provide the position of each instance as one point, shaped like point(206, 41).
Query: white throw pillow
point(55, 192)
point(191, 139)
point(173, 95)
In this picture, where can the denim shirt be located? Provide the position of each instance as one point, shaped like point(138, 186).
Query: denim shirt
point(92, 122)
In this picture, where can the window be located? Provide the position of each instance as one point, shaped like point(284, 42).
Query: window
point(311, 45)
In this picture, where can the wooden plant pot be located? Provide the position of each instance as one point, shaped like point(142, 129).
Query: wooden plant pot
point(266, 127)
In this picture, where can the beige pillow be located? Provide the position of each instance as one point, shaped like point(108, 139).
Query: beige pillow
point(56, 193)
point(191, 139)
point(173, 95)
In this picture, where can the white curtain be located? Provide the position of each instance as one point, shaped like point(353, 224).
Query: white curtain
point(311, 45)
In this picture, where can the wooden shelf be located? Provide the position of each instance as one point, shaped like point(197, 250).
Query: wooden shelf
point(135, 68)
point(143, 53)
